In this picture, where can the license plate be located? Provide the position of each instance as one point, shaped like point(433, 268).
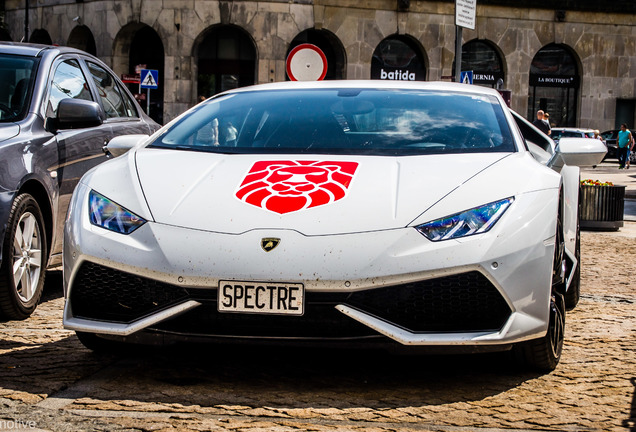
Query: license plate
point(261, 297)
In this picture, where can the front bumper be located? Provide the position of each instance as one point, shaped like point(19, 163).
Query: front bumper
point(489, 289)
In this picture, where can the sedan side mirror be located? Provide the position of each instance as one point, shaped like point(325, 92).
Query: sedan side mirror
point(77, 114)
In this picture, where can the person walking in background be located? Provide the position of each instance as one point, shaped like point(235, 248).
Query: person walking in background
point(630, 149)
point(597, 135)
point(541, 124)
point(625, 144)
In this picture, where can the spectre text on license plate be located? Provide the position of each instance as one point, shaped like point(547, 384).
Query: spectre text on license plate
point(261, 297)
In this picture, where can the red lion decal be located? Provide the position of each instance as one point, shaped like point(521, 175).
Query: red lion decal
point(288, 186)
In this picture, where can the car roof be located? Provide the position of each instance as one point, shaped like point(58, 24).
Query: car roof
point(573, 129)
point(33, 50)
point(368, 84)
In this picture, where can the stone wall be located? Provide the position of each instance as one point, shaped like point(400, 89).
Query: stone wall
point(605, 44)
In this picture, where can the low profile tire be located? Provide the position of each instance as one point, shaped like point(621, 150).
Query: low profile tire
point(25, 255)
point(573, 293)
point(543, 354)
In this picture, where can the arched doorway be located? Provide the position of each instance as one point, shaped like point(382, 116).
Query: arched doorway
point(484, 60)
point(82, 38)
point(146, 52)
point(554, 85)
point(226, 59)
point(398, 57)
point(329, 44)
point(41, 36)
point(4, 35)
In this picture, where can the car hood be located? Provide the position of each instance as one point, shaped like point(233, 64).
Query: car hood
point(312, 194)
point(8, 131)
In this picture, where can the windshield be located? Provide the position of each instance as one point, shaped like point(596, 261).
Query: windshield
point(16, 81)
point(344, 121)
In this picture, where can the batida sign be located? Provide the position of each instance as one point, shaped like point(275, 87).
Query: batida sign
point(398, 75)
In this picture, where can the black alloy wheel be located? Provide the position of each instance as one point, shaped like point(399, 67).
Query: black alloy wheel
point(573, 294)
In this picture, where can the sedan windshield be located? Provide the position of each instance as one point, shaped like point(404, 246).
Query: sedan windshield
point(16, 81)
point(344, 121)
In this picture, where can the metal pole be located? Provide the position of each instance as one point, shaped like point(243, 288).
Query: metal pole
point(458, 53)
point(26, 21)
point(148, 102)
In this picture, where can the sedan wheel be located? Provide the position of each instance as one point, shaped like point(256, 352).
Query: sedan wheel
point(23, 267)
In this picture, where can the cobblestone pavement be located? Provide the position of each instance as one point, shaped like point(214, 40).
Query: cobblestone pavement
point(48, 381)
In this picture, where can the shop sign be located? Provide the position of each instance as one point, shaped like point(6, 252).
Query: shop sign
point(487, 78)
point(396, 74)
point(571, 81)
point(130, 78)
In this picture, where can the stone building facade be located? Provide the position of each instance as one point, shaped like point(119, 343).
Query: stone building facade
point(578, 64)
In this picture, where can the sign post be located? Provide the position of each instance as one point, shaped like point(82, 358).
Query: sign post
point(148, 79)
point(464, 17)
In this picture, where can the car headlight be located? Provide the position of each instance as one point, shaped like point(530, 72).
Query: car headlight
point(474, 221)
point(107, 214)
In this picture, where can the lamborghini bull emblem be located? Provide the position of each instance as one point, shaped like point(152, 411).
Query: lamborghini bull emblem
point(269, 244)
point(289, 186)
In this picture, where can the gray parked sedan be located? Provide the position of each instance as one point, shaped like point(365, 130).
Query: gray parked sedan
point(58, 108)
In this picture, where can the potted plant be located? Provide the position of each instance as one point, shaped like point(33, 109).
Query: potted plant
point(601, 205)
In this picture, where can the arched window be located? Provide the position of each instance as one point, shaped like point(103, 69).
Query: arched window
point(40, 36)
point(4, 35)
point(398, 57)
point(483, 59)
point(554, 85)
point(146, 52)
point(226, 60)
point(330, 45)
point(82, 38)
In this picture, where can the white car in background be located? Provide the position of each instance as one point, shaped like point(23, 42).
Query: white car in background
point(397, 214)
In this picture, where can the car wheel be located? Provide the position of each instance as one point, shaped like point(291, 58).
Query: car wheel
point(573, 293)
point(24, 262)
point(543, 354)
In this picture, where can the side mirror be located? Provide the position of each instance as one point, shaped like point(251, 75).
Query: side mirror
point(122, 143)
point(579, 152)
point(77, 114)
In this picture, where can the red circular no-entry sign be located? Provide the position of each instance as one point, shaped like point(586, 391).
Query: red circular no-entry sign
point(306, 62)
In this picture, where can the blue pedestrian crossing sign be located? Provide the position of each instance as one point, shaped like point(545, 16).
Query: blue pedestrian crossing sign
point(149, 79)
point(466, 77)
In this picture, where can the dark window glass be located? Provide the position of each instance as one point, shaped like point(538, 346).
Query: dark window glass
point(113, 99)
point(68, 82)
point(345, 121)
point(226, 61)
point(16, 82)
point(554, 85)
point(397, 58)
point(553, 60)
point(481, 58)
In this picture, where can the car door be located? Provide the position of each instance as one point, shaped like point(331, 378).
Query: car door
point(78, 149)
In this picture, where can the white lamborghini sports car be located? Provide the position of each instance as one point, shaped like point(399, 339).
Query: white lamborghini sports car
point(398, 214)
